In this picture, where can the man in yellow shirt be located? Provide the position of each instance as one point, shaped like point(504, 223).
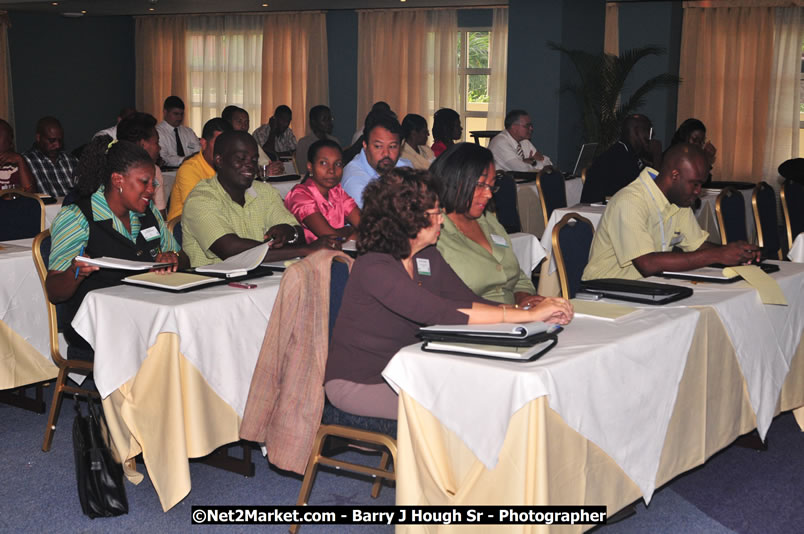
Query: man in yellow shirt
point(649, 226)
point(198, 167)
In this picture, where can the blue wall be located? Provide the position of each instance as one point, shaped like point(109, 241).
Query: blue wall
point(78, 70)
point(342, 52)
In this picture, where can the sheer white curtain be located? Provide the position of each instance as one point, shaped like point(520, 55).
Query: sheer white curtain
point(407, 58)
point(782, 139)
point(498, 61)
point(224, 66)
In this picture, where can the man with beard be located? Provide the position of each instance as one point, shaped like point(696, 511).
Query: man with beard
point(649, 226)
point(229, 213)
point(380, 153)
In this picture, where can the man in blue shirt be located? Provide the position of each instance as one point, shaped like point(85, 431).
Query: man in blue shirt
point(381, 146)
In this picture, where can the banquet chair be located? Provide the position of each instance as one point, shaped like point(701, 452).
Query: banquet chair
point(174, 227)
point(793, 210)
point(572, 240)
point(730, 209)
point(505, 203)
point(763, 202)
point(366, 431)
point(78, 360)
point(552, 193)
point(22, 215)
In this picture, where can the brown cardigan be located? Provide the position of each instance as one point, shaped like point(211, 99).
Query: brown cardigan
point(286, 397)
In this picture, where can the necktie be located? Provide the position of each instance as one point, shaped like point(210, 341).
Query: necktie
point(180, 149)
point(519, 153)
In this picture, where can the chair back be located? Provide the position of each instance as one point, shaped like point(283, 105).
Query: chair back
point(572, 240)
point(552, 193)
point(22, 215)
point(793, 209)
point(339, 275)
point(730, 208)
point(505, 204)
point(174, 227)
point(763, 202)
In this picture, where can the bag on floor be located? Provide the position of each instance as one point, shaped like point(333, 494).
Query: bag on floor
point(100, 477)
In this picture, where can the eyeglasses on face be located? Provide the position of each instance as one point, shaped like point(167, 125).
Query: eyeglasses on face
point(493, 188)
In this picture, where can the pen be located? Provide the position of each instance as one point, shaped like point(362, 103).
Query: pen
point(80, 254)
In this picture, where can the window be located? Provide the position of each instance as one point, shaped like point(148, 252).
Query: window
point(474, 71)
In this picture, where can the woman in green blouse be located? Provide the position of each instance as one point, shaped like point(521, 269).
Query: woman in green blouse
point(472, 241)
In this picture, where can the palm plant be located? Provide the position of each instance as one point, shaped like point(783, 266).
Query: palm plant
point(599, 93)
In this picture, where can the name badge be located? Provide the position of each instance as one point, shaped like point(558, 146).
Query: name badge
point(499, 240)
point(150, 233)
point(423, 266)
point(678, 238)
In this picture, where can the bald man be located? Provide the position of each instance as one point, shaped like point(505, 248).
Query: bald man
point(649, 227)
point(52, 167)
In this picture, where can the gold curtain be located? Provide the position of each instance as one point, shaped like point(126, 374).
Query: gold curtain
point(6, 94)
point(611, 39)
point(294, 65)
point(161, 57)
point(408, 59)
point(726, 58)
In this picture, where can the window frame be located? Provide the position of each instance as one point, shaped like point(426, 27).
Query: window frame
point(463, 76)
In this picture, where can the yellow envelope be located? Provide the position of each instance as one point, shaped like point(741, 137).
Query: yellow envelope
point(769, 290)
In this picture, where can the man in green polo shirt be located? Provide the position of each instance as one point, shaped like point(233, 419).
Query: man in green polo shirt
point(230, 213)
point(649, 226)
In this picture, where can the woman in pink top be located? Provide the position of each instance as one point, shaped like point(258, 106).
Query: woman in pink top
point(320, 203)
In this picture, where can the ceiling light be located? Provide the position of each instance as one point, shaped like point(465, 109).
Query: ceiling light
point(151, 9)
point(84, 11)
point(265, 5)
point(54, 3)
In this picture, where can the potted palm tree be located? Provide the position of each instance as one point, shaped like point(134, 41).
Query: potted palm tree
point(599, 92)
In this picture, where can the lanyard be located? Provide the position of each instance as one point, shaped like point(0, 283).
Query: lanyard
point(658, 212)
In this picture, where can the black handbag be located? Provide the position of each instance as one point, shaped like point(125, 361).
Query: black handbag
point(100, 477)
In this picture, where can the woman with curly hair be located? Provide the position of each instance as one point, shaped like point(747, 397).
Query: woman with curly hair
point(398, 283)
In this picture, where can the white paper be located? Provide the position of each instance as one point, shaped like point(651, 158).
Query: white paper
point(239, 263)
point(117, 263)
point(503, 330)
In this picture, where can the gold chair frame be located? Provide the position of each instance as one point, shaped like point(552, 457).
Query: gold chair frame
point(542, 201)
point(561, 267)
point(727, 191)
point(786, 213)
point(172, 223)
point(65, 366)
point(22, 193)
point(755, 207)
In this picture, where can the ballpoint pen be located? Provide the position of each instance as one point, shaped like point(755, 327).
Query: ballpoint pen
point(77, 268)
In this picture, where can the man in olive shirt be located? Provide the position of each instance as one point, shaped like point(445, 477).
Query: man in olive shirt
point(647, 222)
point(229, 213)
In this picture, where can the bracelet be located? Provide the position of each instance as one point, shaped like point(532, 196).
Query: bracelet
point(295, 236)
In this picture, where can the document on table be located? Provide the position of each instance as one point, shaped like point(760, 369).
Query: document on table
point(106, 262)
point(607, 311)
point(768, 288)
point(171, 281)
point(239, 264)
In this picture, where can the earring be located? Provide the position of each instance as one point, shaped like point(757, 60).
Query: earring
point(120, 190)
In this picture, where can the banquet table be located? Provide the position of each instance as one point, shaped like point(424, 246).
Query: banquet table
point(530, 210)
point(24, 345)
point(599, 419)
point(173, 371)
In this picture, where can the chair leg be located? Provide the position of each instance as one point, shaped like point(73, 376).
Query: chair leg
point(55, 407)
point(309, 475)
point(375, 490)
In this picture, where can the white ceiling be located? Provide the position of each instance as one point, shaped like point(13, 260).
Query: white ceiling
point(166, 7)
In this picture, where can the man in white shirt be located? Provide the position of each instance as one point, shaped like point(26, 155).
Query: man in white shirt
point(177, 141)
point(111, 131)
point(512, 148)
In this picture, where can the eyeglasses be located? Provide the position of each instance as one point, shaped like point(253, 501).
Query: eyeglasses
point(492, 188)
point(434, 213)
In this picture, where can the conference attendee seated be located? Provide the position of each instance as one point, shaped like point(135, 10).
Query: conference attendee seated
point(649, 226)
point(380, 153)
point(14, 171)
point(114, 217)
point(377, 108)
point(447, 129)
point(51, 166)
point(472, 241)
point(140, 129)
point(512, 148)
point(693, 131)
point(230, 213)
point(414, 142)
point(621, 163)
point(111, 131)
point(239, 119)
point(321, 124)
point(198, 167)
point(276, 137)
point(398, 283)
point(319, 203)
point(177, 141)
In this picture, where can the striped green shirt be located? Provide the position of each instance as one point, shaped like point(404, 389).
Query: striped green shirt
point(70, 230)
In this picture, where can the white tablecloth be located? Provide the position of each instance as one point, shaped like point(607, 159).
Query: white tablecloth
point(796, 253)
point(530, 210)
point(528, 251)
point(22, 303)
point(220, 329)
point(51, 210)
point(284, 187)
point(593, 213)
point(615, 383)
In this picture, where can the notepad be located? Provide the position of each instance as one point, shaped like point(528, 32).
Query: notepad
point(106, 262)
point(239, 264)
point(768, 288)
point(607, 311)
point(170, 281)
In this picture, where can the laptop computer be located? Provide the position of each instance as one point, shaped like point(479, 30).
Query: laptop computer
point(585, 157)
